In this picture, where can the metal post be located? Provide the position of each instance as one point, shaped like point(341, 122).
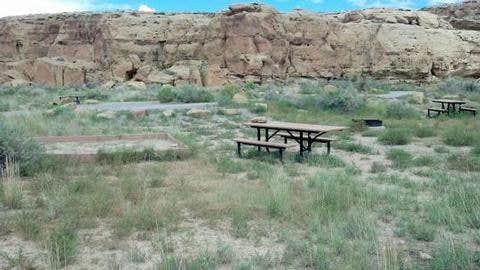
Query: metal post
point(239, 149)
point(301, 144)
point(259, 138)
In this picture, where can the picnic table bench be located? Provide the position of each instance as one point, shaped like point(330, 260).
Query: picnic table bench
point(280, 146)
point(469, 109)
point(75, 98)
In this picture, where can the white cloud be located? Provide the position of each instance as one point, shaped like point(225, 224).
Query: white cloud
point(397, 3)
point(24, 7)
point(383, 3)
point(145, 8)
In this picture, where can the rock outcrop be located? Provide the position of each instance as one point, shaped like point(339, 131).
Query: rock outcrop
point(465, 16)
point(246, 42)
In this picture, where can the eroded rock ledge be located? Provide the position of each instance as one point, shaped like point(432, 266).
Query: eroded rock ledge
point(246, 42)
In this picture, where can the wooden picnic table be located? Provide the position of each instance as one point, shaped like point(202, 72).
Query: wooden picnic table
point(305, 133)
point(450, 103)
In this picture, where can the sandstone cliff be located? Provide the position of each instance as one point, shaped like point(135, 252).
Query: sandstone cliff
point(246, 42)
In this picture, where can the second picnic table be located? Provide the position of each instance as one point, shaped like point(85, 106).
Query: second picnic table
point(449, 103)
point(304, 134)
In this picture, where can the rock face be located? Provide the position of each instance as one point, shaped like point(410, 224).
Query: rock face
point(246, 42)
point(465, 16)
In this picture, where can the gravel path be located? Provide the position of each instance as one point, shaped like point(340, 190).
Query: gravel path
point(396, 94)
point(139, 106)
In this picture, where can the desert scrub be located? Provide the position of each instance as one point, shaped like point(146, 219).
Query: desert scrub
point(17, 146)
point(457, 85)
point(345, 98)
point(193, 94)
point(463, 162)
point(401, 159)
point(424, 131)
point(354, 147)
point(401, 110)
point(395, 136)
point(461, 134)
point(166, 94)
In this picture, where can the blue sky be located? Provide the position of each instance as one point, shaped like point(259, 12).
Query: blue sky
point(23, 7)
point(282, 5)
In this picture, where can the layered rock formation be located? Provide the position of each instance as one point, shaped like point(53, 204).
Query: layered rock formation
point(246, 42)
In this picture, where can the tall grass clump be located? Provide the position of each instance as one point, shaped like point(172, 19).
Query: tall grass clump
point(17, 146)
point(401, 110)
point(460, 135)
point(11, 192)
point(458, 208)
point(453, 255)
point(62, 243)
point(395, 136)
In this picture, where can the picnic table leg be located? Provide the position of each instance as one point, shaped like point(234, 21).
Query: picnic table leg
point(301, 144)
point(266, 139)
point(259, 138)
point(239, 152)
point(281, 155)
point(309, 143)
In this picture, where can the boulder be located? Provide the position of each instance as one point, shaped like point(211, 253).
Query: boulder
point(108, 85)
point(260, 119)
point(230, 111)
point(198, 113)
point(418, 98)
point(240, 98)
point(136, 85)
point(160, 78)
point(107, 115)
point(138, 113)
point(91, 101)
point(168, 113)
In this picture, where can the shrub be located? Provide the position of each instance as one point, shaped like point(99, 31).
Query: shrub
point(17, 146)
point(460, 135)
point(309, 87)
point(422, 131)
point(239, 225)
point(193, 94)
point(421, 231)
point(395, 136)
point(355, 147)
point(26, 223)
point(455, 85)
point(62, 244)
point(400, 158)
point(344, 99)
point(12, 195)
point(401, 110)
point(166, 94)
point(4, 106)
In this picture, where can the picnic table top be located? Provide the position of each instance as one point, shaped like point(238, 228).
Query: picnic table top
point(296, 126)
point(451, 101)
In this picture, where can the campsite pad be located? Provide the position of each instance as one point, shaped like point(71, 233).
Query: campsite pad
point(86, 148)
